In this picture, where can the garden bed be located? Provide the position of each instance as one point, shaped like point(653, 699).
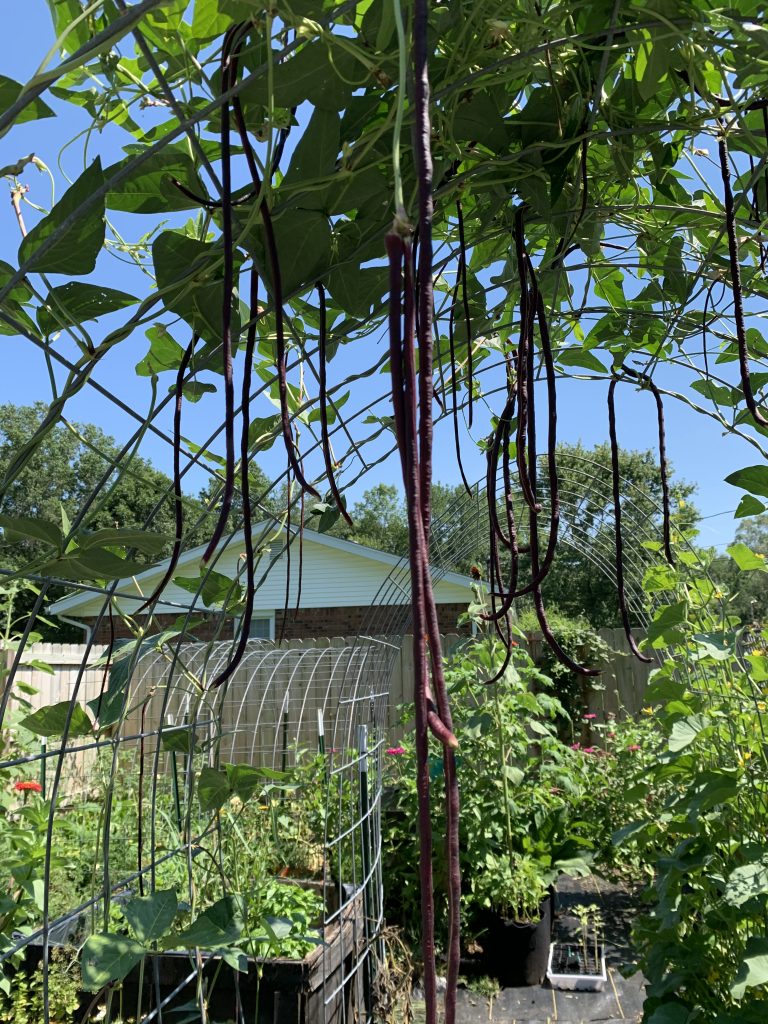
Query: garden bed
point(322, 987)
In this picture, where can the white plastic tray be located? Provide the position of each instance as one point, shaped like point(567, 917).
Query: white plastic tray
point(576, 982)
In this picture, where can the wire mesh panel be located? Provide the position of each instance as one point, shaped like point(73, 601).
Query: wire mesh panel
point(282, 762)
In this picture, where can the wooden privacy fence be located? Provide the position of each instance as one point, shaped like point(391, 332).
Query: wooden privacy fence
point(619, 690)
point(274, 701)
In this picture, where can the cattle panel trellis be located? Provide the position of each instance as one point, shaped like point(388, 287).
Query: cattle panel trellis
point(283, 760)
point(289, 691)
point(295, 684)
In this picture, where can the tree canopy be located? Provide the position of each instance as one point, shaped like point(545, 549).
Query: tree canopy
point(72, 466)
point(72, 472)
point(747, 592)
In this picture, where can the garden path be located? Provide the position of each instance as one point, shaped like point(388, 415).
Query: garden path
point(620, 1003)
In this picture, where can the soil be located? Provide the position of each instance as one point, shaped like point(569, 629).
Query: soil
point(568, 958)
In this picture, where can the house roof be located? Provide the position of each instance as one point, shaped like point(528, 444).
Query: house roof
point(85, 603)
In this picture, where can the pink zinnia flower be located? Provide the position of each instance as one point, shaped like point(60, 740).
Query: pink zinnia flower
point(29, 786)
point(590, 750)
point(575, 746)
point(590, 716)
point(395, 751)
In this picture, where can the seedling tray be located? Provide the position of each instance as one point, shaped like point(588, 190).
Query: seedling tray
point(568, 970)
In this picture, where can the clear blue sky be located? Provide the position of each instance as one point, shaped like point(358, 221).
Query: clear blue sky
point(697, 448)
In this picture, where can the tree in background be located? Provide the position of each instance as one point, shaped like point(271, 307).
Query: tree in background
point(271, 504)
point(70, 464)
point(73, 462)
point(574, 587)
point(748, 594)
point(379, 521)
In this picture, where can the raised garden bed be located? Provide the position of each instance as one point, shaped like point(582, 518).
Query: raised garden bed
point(320, 989)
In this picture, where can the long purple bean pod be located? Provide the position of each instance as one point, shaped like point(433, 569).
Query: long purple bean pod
point(619, 541)
point(738, 299)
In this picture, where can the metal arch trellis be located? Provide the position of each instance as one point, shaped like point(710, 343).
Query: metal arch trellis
point(495, 182)
point(455, 545)
point(255, 719)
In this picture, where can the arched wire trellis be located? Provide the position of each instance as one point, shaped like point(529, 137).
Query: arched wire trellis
point(314, 711)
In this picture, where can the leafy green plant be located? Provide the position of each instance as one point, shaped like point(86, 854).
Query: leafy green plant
point(702, 943)
point(24, 811)
point(23, 1003)
point(272, 919)
point(240, 908)
point(616, 785)
point(514, 887)
point(583, 644)
point(283, 919)
point(590, 933)
point(484, 986)
point(521, 787)
point(22, 851)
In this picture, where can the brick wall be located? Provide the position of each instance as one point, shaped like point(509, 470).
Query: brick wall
point(354, 621)
point(307, 622)
point(204, 631)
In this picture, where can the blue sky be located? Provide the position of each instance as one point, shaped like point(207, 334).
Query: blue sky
point(697, 448)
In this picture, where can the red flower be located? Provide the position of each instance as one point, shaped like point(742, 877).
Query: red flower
point(395, 751)
point(514, 643)
point(28, 786)
point(475, 573)
point(633, 746)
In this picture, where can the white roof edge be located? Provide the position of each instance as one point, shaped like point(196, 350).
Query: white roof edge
point(72, 601)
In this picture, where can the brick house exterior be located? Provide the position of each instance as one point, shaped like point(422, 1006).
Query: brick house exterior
point(347, 589)
point(307, 622)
